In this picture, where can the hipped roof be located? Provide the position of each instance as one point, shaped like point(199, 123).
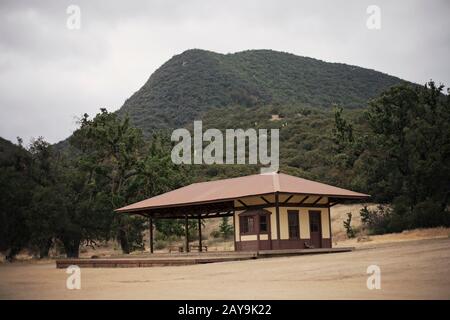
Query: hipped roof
point(234, 188)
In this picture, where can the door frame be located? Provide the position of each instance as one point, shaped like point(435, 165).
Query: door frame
point(297, 214)
point(319, 213)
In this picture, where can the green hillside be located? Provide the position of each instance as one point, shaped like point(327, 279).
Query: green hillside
point(306, 146)
point(195, 81)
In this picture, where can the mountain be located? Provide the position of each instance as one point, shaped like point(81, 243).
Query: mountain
point(9, 152)
point(195, 81)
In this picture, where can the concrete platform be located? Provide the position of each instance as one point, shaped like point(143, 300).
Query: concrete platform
point(183, 259)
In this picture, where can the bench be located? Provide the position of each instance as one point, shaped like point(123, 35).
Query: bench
point(308, 246)
point(197, 247)
point(176, 248)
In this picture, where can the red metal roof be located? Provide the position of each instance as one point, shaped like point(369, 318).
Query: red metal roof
point(234, 188)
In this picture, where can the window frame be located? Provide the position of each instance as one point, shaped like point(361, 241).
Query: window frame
point(297, 226)
point(255, 215)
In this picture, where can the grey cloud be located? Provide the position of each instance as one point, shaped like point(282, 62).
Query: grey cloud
point(49, 75)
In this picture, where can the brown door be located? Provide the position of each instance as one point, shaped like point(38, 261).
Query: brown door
point(315, 228)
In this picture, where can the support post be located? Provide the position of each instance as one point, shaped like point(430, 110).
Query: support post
point(200, 249)
point(329, 224)
point(186, 231)
point(234, 229)
point(277, 216)
point(150, 220)
point(257, 235)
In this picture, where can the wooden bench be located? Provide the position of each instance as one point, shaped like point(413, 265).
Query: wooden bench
point(308, 246)
point(197, 247)
point(176, 248)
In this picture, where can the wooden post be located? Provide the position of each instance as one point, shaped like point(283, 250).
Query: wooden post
point(186, 231)
point(277, 216)
point(200, 249)
point(329, 224)
point(151, 233)
point(234, 230)
point(269, 229)
point(257, 234)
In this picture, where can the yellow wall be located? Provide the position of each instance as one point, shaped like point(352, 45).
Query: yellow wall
point(303, 221)
point(284, 227)
point(249, 237)
point(236, 225)
point(263, 237)
point(325, 224)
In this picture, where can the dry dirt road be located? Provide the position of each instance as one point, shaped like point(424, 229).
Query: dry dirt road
point(409, 270)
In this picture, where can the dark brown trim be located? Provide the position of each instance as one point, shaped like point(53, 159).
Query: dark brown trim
point(258, 231)
point(186, 232)
point(329, 225)
point(333, 204)
point(303, 200)
point(234, 230)
point(200, 248)
point(317, 200)
point(287, 200)
point(277, 212)
point(150, 222)
point(251, 245)
point(265, 200)
point(289, 205)
point(242, 202)
point(269, 229)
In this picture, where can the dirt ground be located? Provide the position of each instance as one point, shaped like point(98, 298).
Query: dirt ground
point(415, 269)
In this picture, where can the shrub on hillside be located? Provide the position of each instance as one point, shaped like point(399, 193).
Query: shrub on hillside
point(383, 219)
point(348, 226)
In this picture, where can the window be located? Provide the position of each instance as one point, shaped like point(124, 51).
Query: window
point(314, 221)
point(262, 223)
point(247, 224)
point(254, 222)
point(293, 224)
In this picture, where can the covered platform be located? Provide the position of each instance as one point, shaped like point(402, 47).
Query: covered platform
point(270, 212)
point(183, 259)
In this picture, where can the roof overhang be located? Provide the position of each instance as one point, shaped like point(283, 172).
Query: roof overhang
point(193, 204)
point(220, 195)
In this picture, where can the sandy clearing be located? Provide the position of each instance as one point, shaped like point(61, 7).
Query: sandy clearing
point(410, 270)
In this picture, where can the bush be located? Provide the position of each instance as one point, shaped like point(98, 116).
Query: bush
point(348, 227)
point(226, 229)
point(215, 234)
point(426, 214)
point(377, 220)
point(160, 244)
point(429, 214)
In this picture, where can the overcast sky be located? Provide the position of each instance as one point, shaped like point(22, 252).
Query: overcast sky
point(50, 74)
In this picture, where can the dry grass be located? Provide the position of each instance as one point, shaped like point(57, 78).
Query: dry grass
point(339, 214)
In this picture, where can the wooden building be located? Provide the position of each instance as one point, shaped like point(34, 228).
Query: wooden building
point(269, 211)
